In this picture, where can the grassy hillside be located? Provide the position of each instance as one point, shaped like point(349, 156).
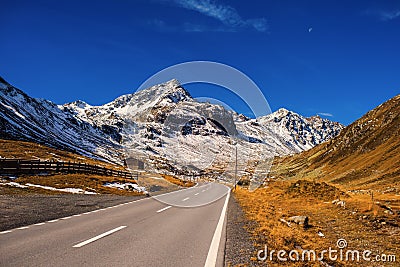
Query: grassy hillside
point(366, 154)
point(93, 183)
point(348, 188)
point(32, 151)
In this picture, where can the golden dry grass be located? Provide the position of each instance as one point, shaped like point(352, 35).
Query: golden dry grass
point(360, 222)
point(177, 181)
point(365, 155)
point(29, 150)
point(33, 151)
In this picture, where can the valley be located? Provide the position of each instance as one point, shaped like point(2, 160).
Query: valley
point(342, 182)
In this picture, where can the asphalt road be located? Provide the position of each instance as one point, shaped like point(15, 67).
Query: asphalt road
point(181, 228)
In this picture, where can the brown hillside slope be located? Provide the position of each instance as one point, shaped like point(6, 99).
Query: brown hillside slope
point(360, 203)
point(28, 150)
point(365, 155)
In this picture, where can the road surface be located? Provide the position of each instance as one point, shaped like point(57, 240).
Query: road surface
point(181, 228)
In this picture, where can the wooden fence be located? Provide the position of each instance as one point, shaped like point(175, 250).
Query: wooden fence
point(20, 166)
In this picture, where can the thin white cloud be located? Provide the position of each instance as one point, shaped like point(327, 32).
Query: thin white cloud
point(191, 27)
point(224, 13)
point(383, 15)
point(389, 15)
point(162, 26)
point(325, 114)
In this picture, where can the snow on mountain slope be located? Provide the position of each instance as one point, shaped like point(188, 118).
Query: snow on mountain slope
point(41, 121)
point(162, 122)
point(136, 105)
point(163, 125)
point(290, 132)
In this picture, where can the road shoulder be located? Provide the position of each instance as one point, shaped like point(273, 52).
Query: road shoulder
point(238, 245)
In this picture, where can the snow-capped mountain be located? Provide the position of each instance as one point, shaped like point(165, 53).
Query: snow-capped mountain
point(38, 120)
point(162, 124)
point(289, 131)
point(365, 155)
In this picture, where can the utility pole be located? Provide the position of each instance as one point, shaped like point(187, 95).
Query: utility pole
point(235, 165)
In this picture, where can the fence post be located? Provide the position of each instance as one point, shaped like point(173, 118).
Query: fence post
point(18, 166)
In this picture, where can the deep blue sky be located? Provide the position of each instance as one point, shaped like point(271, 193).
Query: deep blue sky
point(348, 63)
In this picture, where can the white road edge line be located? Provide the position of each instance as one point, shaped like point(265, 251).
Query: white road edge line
point(213, 251)
point(23, 227)
point(5, 232)
point(98, 237)
point(161, 210)
point(185, 199)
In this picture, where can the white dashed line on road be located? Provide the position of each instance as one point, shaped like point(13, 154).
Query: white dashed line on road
point(161, 210)
point(69, 217)
point(98, 237)
point(196, 194)
point(185, 199)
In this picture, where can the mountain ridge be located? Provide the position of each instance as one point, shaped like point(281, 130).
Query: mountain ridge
point(141, 123)
point(365, 153)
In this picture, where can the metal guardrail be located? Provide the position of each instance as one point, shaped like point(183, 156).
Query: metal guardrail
point(21, 166)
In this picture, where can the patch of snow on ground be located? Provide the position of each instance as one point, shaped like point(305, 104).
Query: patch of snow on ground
point(14, 184)
point(68, 190)
point(126, 186)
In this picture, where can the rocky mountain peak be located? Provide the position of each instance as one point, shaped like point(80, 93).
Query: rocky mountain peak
point(282, 112)
point(143, 121)
point(170, 91)
point(79, 104)
point(365, 153)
